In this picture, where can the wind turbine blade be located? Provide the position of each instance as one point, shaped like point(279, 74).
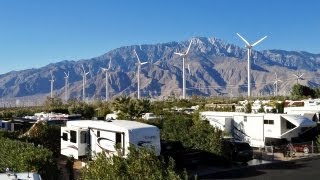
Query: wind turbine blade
point(137, 55)
point(143, 63)
point(259, 41)
point(189, 68)
point(83, 68)
point(67, 75)
point(189, 47)
point(104, 69)
point(301, 75)
point(295, 75)
point(87, 73)
point(244, 40)
point(180, 54)
point(109, 64)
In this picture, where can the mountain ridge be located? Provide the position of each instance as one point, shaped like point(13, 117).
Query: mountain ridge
point(217, 68)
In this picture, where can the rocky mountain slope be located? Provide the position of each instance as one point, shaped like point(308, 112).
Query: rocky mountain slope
point(216, 68)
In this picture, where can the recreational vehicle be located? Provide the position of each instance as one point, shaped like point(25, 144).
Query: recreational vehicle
point(259, 129)
point(89, 137)
point(311, 109)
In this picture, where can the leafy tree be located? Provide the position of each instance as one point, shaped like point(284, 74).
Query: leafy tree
point(20, 156)
point(75, 107)
point(101, 109)
point(248, 108)
point(43, 134)
point(261, 109)
point(192, 133)
point(299, 91)
point(280, 107)
point(139, 164)
point(131, 108)
point(55, 105)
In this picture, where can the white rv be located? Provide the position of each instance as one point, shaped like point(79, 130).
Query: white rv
point(257, 129)
point(311, 109)
point(89, 137)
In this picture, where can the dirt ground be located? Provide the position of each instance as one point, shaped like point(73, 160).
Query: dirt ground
point(62, 167)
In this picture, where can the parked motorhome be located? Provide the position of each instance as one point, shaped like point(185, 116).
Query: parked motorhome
point(89, 137)
point(258, 129)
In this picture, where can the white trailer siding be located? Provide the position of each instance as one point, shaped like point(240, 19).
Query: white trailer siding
point(272, 125)
point(104, 136)
point(255, 128)
point(74, 141)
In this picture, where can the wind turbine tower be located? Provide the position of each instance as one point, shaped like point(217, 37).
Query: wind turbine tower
point(184, 55)
point(66, 86)
point(84, 79)
point(249, 47)
point(107, 77)
point(138, 73)
point(51, 82)
point(276, 84)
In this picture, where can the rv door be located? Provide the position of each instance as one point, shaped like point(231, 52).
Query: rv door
point(74, 141)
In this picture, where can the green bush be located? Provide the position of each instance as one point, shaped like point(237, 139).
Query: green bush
point(22, 157)
point(139, 164)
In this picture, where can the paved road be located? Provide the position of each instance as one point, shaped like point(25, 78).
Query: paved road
point(303, 170)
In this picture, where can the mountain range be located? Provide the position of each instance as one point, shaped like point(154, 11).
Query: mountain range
point(216, 68)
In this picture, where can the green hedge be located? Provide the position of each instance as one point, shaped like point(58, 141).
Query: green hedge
point(22, 157)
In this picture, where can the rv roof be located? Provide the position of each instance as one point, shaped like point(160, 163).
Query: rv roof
point(24, 175)
point(124, 124)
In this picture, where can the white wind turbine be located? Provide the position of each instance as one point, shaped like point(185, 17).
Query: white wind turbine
point(84, 79)
point(51, 82)
point(138, 73)
point(298, 77)
point(276, 84)
point(66, 86)
point(107, 77)
point(183, 55)
point(249, 47)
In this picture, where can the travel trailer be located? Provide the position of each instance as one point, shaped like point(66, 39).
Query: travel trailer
point(89, 137)
point(311, 109)
point(259, 129)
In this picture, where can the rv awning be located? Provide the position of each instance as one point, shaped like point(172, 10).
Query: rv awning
point(299, 121)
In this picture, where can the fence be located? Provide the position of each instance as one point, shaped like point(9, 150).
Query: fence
point(287, 151)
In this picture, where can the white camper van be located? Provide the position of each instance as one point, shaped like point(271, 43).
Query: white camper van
point(257, 129)
point(89, 137)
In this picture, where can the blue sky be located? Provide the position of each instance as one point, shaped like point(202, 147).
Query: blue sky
point(38, 32)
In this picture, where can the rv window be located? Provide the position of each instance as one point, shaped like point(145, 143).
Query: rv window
point(73, 136)
point(83, 137)
point(2, 125)
point(118, 138)
point(245, 118)
point(65, 136)
point(98, 133)
point(268, 121)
